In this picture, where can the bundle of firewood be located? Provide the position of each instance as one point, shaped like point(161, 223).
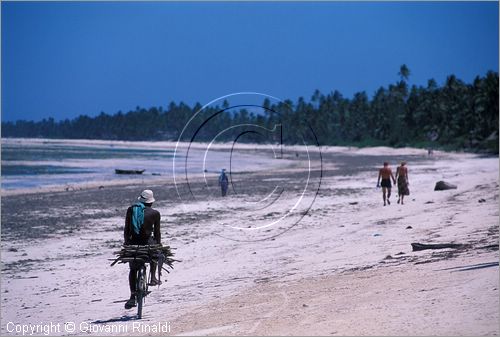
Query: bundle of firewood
point(162, 255)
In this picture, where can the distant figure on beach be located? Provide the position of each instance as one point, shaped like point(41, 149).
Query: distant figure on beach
point(432, 136)
point(140, 222)
point(403, 182)
point(223, 182)
point(386, 174)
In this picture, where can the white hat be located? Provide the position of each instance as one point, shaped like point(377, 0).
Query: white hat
point(146, 197)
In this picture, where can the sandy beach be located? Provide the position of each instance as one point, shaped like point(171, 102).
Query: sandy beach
point(324, 257)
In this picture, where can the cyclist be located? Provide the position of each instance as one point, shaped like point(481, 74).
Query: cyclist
point(140, 222)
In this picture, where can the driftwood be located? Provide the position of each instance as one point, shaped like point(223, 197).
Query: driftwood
point(422, 246)
point(145, 254)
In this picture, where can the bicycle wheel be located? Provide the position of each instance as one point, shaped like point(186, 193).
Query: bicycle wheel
point(140, 290)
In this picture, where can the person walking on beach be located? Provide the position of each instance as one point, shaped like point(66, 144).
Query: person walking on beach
point(140, 222)
point(403, 182)
point(386, 174)
point(223, 182)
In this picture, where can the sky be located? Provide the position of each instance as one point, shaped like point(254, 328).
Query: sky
point(62, 59)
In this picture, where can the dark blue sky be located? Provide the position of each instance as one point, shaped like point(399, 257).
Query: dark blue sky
point(65, 59)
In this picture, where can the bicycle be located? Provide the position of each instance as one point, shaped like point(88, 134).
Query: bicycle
point(139, 256)
point(141, 287)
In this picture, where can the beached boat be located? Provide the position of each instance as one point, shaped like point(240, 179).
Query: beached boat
point(119, 171)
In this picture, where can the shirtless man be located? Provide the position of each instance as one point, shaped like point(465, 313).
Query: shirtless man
point(386, 174)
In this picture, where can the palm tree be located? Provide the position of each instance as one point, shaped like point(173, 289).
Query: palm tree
point(404, 72)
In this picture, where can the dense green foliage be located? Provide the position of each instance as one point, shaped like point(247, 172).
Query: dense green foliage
point(456, 115)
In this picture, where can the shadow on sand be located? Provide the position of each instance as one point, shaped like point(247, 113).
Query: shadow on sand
point(124, 318)
point(117, 319)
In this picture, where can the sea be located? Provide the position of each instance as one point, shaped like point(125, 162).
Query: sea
point(35, 163)
point(44, 163)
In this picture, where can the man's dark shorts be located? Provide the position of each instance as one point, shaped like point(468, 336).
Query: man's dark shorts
point(386, 183)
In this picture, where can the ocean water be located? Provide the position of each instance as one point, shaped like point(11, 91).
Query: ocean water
point(39, 163)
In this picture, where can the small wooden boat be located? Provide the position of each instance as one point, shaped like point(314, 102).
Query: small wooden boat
point(119, 171)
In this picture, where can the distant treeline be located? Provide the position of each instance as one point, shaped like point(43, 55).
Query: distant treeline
point(457, 115)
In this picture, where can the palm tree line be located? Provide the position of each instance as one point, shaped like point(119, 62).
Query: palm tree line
point(456, 115)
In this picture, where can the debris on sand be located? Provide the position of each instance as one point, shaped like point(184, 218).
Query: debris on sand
point(422, 246)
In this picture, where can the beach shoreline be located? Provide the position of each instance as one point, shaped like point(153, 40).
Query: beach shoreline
point(55, 243)
point(394, 298)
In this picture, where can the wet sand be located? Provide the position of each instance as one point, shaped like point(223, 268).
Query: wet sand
point(342, 264)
